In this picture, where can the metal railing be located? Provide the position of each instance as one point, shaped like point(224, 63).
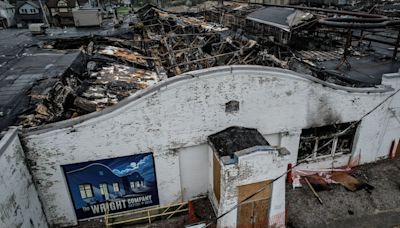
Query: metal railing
point(146, 215)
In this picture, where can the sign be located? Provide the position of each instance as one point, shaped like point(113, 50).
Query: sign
point(116, 184)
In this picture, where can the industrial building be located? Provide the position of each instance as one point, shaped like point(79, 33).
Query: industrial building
point(170, 108)
point(159, 116)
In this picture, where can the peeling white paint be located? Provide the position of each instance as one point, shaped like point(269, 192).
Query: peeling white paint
point(193, 163)
point(19, 201)
point(251, 168)
point(184, 110)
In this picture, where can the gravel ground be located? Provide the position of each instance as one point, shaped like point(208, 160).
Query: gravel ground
point(341, 207)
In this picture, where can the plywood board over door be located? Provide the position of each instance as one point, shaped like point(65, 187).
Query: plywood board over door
point(254, 212)
point(216, 178)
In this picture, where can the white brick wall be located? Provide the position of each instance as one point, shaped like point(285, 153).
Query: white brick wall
point(19, 201)
point(184, 110)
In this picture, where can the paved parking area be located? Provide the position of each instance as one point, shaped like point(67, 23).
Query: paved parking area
point(341, 208)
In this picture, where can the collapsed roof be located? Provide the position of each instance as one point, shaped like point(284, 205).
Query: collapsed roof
point(155, 44)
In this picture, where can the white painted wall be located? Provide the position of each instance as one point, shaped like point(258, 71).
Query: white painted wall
point(184, 110)
point(273, 139)
point(252, 168)
point(19, 202)
point(193, 163)
point(392, 124)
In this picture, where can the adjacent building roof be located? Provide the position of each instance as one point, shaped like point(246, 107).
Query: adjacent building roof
point(235, 139)
point(35, 66)
point(21, 3)
point(283, 18)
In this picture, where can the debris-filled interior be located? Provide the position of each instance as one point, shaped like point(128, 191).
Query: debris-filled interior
point(157, 44)
point(331, 140)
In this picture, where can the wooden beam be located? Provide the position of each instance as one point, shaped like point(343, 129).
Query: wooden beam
point(313, 191)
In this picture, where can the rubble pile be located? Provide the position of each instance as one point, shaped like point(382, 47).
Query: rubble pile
point(96, 85)
point(48, 101)
point(111, 83)
point(156, 44)
point(183, 43)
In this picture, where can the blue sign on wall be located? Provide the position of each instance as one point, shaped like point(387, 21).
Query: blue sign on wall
point(126, 183)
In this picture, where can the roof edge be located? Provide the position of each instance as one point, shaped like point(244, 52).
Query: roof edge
point(280, 26)
point(193, 74)
point(7, 139)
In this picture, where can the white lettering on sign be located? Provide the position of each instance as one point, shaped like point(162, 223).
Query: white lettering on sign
point(120, 204)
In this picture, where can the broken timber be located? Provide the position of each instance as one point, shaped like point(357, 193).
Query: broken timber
point(313, 191)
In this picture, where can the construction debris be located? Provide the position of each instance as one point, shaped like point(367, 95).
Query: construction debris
point(123, 54)
point(102, 84)
point(313, 191)
point(348, 181)
point(322, 179)
point(341, 204)
point(157, 44)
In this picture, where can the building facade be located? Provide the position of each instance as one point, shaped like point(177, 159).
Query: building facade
point(61, 12)
point(87, 17)
point(175, 118)
point(28, 12)
point(7, 12)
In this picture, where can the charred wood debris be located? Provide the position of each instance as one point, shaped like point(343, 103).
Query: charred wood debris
point(158, 45)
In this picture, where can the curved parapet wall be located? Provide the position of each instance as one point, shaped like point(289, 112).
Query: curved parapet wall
point(19, 201)
point(182, 111)
point(236, 69)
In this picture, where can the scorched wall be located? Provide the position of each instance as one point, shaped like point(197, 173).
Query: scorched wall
point(182, 111)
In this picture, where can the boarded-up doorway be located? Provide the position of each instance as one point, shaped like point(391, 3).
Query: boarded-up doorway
point(216, 178)
point(193, 163)
point(255, 211)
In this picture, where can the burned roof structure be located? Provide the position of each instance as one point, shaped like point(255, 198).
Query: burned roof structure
point(182, 43)
point(347, 48)
point(36, 74)
point(155, 44)
point(234, 139)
